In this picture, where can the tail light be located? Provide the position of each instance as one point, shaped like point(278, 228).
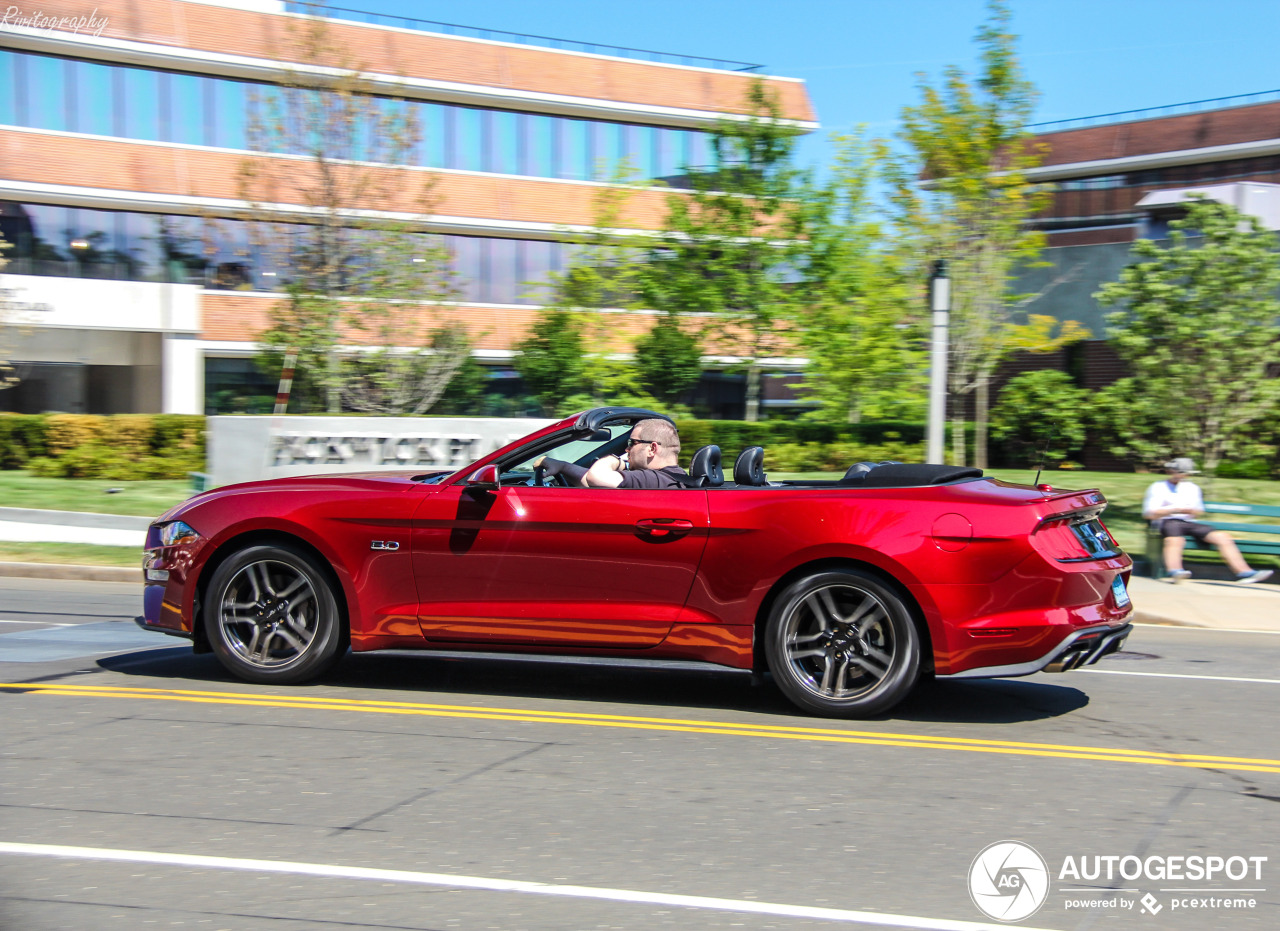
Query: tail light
point(1075, 537)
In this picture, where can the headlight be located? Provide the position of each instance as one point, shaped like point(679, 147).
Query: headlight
point(177, 532)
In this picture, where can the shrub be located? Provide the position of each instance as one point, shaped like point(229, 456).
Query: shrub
point(22, 437)
point(71, 431)
point(1255, 467)
point(130, 435)
point(1040, 415)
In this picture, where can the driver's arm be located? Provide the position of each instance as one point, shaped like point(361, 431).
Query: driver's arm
point(573, 474)
point(605, 472)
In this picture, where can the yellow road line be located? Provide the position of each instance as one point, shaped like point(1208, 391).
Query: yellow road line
point(670, 725)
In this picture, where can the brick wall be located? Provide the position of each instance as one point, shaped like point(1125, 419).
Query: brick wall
point(1166, 134)
point(418, 55)
point(226, 315)
point(163, 170)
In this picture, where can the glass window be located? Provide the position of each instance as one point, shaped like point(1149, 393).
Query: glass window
point(141, 103)
point(94, 104)
point(229, 113)
point(467, 264)
point(8, 88)
point(186, 109)
point(431, 118)
point(573, 149)
point(503, 271)
point(46, 92)
point(504, 142)
point(537, 155)
point(468, 149)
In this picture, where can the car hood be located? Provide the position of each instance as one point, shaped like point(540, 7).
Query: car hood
point(338, 483)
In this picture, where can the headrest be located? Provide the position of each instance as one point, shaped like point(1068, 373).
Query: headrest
point(857, 470)
point(748, 469)
point(706, 468)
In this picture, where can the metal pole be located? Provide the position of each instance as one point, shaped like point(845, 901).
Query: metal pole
point(940, 304)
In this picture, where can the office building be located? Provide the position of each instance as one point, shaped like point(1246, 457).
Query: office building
point(133, 268)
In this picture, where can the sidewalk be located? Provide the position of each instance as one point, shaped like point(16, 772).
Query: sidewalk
point(1206, 603)
point(29, 525)
point(1195, 603)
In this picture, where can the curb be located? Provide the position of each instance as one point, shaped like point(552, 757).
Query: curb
point(1142, 617)
point(49, 570)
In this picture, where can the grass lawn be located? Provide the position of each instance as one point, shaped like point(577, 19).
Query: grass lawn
point(76, 554)
point(138, 499)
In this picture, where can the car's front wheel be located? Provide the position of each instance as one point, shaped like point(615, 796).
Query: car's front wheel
point(841, 643)
point(271, 616)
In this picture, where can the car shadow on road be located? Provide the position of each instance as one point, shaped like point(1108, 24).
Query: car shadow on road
point(429, 677)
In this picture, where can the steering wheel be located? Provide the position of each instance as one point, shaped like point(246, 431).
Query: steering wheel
point(539, 476)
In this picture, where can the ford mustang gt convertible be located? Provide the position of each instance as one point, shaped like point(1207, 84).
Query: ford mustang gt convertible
point(846, 591)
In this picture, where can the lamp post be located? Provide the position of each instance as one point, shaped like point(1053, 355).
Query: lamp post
point(940, 304)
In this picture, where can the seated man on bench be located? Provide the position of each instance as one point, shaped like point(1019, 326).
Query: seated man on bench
point(1172, 505)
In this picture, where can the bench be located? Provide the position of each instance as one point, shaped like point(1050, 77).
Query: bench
point(1155, 555)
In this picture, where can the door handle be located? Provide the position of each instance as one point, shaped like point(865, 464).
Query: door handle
point(663, 526)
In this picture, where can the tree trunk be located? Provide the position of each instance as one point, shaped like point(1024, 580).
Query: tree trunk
point(753, 393)
point(957, 439)
point(981, 406)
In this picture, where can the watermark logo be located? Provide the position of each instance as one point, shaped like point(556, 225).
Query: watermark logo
point(92, 24)
point(1008, 881)
point(1150, 904)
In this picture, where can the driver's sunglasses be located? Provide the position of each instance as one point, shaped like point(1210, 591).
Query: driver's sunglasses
point(632, 441)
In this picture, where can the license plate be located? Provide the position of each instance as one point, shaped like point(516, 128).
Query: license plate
point(1118, 589)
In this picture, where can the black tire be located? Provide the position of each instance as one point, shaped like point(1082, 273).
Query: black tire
point(271, 616)
point(842, 644)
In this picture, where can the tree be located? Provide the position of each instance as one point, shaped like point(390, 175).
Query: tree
point(343, 271)
point(856, 320)
point(1198, 329)
point(728, 247)
point(969, 141)
point(669, 359)
point(574, 356)
point(1040, 417)
point(549, 358)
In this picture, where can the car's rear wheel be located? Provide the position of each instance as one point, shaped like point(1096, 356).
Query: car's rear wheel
point(841, 643)
point(271, 616)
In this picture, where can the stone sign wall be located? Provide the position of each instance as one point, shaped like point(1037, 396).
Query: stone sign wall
point(245, 449)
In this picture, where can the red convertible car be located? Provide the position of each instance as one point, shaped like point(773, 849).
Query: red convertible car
point(847, 591)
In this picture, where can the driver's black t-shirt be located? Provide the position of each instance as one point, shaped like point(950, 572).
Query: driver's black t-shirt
point(666, 477)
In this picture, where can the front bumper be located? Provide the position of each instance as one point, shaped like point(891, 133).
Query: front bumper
point(1082, 648)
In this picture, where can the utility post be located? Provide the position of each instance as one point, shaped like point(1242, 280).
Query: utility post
point(940, 304)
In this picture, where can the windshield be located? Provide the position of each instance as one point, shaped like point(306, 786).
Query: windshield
point(520, 471)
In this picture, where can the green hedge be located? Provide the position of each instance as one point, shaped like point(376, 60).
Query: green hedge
point(123, 446)
point(804, 446)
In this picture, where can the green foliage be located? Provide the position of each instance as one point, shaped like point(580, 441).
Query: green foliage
point(805, 446)
point(969, 139)
point(729, 246)
point(549, 359)
point(855, 314)
point(1040, 417)
point(347, 275)
point(1197, 327)
point(22, 437)
point(123, 446)
point(65, 432)
point(668, 359)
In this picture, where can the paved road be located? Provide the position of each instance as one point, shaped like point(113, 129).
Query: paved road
point(141, 787)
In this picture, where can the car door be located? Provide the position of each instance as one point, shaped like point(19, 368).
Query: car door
point(600, 567)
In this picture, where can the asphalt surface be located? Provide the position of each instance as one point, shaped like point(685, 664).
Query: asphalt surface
point(142, 787)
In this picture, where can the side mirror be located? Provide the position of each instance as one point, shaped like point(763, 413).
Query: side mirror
point(484, 478)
